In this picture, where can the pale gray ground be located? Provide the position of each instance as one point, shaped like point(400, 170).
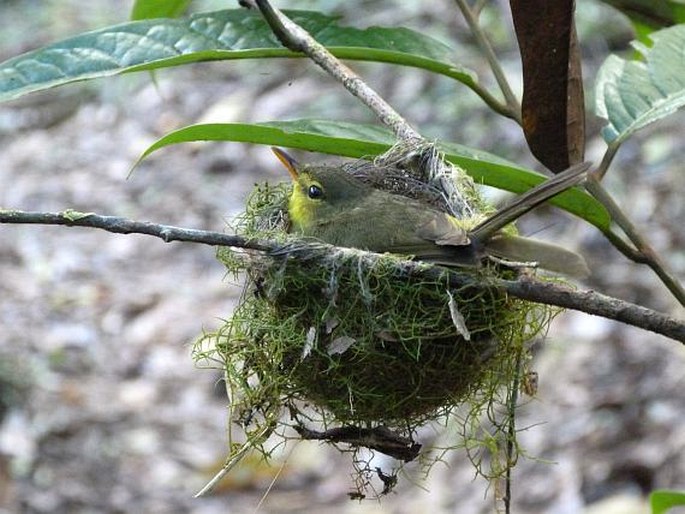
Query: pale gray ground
point(96, 328)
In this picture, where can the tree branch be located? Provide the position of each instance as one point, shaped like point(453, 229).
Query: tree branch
point(525, 288)
point(118, 225)
point(378, 438)
point(295, 38)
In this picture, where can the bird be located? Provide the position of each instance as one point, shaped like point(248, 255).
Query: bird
point(332, 206)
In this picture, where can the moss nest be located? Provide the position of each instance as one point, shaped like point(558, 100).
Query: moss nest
point(358, 348)
point(368, 345)
point(356, 337)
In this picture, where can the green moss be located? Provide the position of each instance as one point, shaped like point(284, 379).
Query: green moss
point(351, 339)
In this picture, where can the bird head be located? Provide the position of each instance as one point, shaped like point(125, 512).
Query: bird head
point(320, 193)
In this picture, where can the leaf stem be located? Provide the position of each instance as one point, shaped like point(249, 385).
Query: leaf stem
point(492, 102)
point(646, 253)
point(295, 38)
point(513, 105)
point(608, 157)
point(511, 449)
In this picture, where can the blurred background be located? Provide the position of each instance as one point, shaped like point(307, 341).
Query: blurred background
point(101, 406)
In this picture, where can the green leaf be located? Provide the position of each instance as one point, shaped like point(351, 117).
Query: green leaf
point(229, 34)
point(552, 107)
point(367, 141)
point(648, 13)
point(145, 9)
point(661, 501)
point(632, 94)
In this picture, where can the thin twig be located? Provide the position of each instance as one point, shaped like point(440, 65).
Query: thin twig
point(530, 289)
point(232, 462)
point(624, 247)
point(511, 432)
point(295, 38)
point(606, 161)
point(642, 253)
point(646, 253)
point(478, 7)
point(119, 225)
point(514, 107)
point(378, 438)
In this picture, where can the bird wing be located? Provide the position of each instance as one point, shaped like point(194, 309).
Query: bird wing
point(442, 229)
point(390, 223)
point(440, 240)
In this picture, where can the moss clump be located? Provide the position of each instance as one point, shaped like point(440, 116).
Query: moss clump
point(353, 336)
point(346, 338)
point(356, 335)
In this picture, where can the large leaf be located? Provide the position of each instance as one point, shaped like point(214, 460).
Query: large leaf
point(647, 16)
point(360, 141)
point(663, 500)
point(650, 13)
point(552, 109)
point(229, 34)
point(632, 94)
point(144, 9)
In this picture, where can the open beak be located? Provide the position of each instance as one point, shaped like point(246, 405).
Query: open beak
point(289, 163)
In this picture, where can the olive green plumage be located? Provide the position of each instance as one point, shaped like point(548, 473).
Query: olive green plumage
point(352, 214)
point(330, 205)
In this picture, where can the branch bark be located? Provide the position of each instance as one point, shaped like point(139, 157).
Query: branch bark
point(295, 38)
point(526, 288)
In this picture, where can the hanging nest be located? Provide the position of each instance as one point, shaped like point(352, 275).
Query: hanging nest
point(344, 338)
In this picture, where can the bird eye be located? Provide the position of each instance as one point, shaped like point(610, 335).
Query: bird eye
point(314, 192)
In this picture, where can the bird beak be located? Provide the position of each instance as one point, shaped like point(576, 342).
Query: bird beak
point(289, 163)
